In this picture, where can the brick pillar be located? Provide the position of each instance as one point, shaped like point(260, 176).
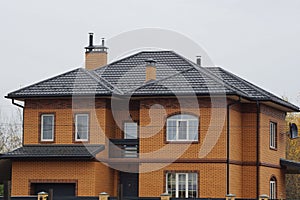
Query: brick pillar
point(165, 196)
point(42, 196)
point(230, 196)
point(103, 196)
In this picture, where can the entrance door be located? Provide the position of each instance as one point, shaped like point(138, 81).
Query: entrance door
point(59, 189)
point(130, 183)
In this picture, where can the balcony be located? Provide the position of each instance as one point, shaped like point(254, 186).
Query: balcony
point(124, 148)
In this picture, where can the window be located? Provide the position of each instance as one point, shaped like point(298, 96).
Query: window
point(182, 185)
point(47, 127)
point(81, 127)
point(182, 128)
point(130, 130)
point(273, 135)
point(273, 188)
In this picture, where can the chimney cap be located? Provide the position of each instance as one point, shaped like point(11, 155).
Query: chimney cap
point(95, 48)
point(150, 61)
point(198, 60)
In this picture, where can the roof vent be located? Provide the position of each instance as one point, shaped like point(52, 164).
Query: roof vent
point(198, 60)
point(150, 69)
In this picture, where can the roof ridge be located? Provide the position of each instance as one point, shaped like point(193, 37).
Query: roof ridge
point(99, 79)
point(156, 81)
point(211, 75)
point(248, 83)
point(122, 59)
point(262, 91)
point(130, 56)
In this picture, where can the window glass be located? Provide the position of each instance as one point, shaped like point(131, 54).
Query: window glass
point(273, 188)
point(47, 128)
point(182, 128)
point(273, 135)
point(182, 185)
point(82, 127)
point(130, 130)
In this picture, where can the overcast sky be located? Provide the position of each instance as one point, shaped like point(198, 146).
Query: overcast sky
point(255, 39)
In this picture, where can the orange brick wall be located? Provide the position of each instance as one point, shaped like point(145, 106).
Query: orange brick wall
point(82, 172)
point(151, 114)
point(64, 110)
point(249, 182)
point(236, 180)
point(211, 179)
point(153, 131)
point(265, 175)
point(269, 155)
point(236, 136)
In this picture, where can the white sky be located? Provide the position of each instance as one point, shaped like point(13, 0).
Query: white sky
point(255, 39)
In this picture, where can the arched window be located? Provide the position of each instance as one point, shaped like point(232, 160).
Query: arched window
point(273, 185)
point(182, 127)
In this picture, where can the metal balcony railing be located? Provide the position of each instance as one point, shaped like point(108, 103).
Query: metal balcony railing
point(124, 148)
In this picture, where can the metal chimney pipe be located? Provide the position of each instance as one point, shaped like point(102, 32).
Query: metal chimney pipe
point(198, 60)
point(91, 39)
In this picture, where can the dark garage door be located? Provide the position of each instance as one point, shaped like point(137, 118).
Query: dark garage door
point(59, 189)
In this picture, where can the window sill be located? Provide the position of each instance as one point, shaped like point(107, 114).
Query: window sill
point(81, 141)
point(273, 148)
point(47, 141)
point(182, 142)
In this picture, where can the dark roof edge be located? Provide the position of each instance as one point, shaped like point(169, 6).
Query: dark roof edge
point(10, 96)
point(272, 97)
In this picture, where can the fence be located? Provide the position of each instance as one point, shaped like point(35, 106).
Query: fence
point(104, 196)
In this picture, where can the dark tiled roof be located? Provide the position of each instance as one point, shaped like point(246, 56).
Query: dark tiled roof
point(77, 82)
point(55, 151)
point(175, 75)
point(291, 166)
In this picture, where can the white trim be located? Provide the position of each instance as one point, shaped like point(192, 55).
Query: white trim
point(186, 184)
point(42, 128)
point(273, 189)
point(272, 135)
point(76, 127)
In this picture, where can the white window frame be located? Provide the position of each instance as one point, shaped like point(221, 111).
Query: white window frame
point(42, 128)
point(76, 127)
point(193, 118)
point(273, 194)
point(273, 135)
point(186, 184)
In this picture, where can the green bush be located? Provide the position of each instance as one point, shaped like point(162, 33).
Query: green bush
point(1, 190)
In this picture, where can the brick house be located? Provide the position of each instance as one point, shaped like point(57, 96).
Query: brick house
point(153, 122)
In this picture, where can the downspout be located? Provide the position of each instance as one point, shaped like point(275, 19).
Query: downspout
point(14, 103)
point(257, 147)
point(228, 145)
point(22, 107)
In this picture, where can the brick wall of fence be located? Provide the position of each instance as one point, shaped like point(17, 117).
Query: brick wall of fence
point(115, 198)
point(106, 197)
